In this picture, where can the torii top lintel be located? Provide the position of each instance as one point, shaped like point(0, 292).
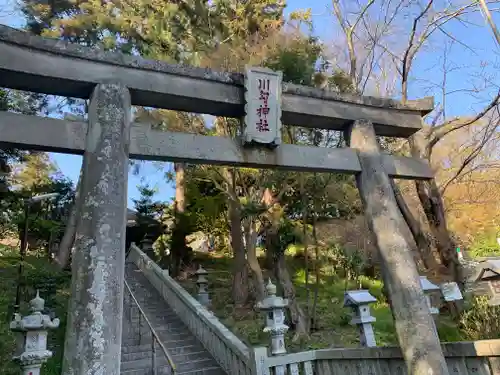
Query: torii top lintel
point(52, 66)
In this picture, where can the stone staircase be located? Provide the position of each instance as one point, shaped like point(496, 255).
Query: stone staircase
point(187, 353)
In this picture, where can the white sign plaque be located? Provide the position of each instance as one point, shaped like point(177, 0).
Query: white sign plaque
point(262, 122)
point(451, 292)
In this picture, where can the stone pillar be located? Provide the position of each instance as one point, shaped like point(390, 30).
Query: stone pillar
point(415, 326)
point(202, 283)
point(94, 327)
point(31, 331)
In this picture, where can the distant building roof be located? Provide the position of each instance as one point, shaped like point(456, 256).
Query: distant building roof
point(487, 269)
point(132, 217)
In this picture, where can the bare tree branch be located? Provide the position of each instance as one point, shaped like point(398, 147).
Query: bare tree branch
point(349, 32)
point(488, 134)
point(489, 19)
point(438, 132)
point(408, 56)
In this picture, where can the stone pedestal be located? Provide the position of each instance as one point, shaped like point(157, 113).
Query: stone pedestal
point(415, 326)
point(31, 352)
point(94, 328)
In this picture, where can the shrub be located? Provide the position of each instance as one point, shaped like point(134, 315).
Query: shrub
point(480, 320)
point(484, 245)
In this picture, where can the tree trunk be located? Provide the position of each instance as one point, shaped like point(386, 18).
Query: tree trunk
point(317, 271)
point(66, 246)
point(415, 327)
point(276, 249)
point(423, 246)
point(432, 203)
point(240, 269)
point(298, 317)
point(253, 262)
point(179, 252)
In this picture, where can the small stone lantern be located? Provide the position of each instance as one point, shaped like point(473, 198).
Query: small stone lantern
point(428, 289)
point(147, 246)
point(274, 308)
point(486, 280)
point(359, 301)
point(32, 350)
point(202, 283)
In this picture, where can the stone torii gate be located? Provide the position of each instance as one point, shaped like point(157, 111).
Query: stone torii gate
point(114, 82)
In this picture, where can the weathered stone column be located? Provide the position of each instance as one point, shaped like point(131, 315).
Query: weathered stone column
point(415, 326)
point(94, 327)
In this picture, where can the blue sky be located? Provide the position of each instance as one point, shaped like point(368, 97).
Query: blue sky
point(428, 67)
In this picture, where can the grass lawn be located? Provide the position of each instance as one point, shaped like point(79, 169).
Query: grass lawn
point(333, 319)
point(54, 288)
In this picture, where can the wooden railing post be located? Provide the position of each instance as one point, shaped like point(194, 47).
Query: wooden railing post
point(94, 327)
point(415, 326)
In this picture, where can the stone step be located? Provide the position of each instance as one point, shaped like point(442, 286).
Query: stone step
point(188, 354)
point(159, 371)
point(160, 357)
point(144, 363)
point(166, 371)
point(178, 349)
point(172, 344)
point(196, 364)
point(177, 358)
point(206, 371)
point(136, 372)
point(185, 350)
point(161, 362)
point(169, 336)
point(159, 319)
point(136, 348)
point(166, 325)
point(188, 357)
point(144, 331)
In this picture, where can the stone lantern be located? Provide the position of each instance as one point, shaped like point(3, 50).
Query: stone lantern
point(202, 283)
point(359, 301)
point(147, 246)
point(486, 280)
point(32, 332)
point(428, 289)
point(274, 308)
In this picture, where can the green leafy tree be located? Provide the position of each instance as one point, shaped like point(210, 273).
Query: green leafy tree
point(146, 206)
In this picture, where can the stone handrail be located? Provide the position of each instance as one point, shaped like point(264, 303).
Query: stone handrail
point(462, 358)
point(230, 352)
